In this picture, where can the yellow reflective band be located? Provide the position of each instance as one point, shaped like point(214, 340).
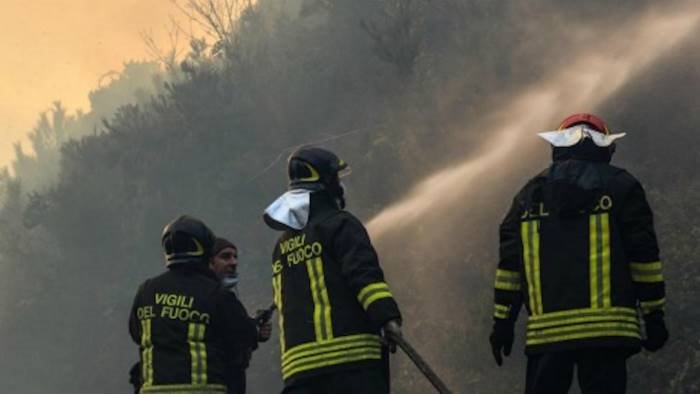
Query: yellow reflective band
point(529, 232)
point(323, 326)
point(648, 278)
point(593, 259)
point(375, 297)
point(599, 260)
point(146, 353)
point(313, 284)
point(505, 274)
point(277, 296)
point(371, 287)
point(556, 331)
point(507, 286)
point(501, 311)
point(507, 280)
point(326, 307)
point(321, 346)
point(611, 332)
point(199, 251)
point(605, 257)
point(593, 318)
point(333, 358)
point(186, 389)
point(198, 353)
point(325, 348)
point(314, 174)
point(373, 292)
point(651, 306)
point(616, 310)
point(653, 266)
point(646, 272)
point(335, 351)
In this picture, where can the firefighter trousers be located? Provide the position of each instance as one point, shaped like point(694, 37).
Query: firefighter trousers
point(365, 381)
point(599, 371)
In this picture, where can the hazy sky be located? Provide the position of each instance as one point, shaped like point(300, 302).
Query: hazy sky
point(58, 49)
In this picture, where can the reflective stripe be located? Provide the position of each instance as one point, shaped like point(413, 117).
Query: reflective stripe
point(198, 353)
point(646, 272)
point(326, 308)
point(277, 296)
point(507, 280)
point(501, 311)
point(654, 305)
point(529, 232)
point(599, 260)
point(323, 327)
point(373, 292)
point(588, 331)
point(315, 348)
point(335, 351)
point(576, 316)
point(146, 353)
point(186, 389)
point(582, 323)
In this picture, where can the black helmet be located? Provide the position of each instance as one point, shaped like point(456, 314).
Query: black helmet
point(314, 168)
point(317, 169)
point(187, 240)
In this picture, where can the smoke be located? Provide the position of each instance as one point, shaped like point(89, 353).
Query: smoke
point(438, 243)
point(587, 81)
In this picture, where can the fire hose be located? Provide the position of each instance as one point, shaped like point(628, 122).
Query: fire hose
point(420, 363)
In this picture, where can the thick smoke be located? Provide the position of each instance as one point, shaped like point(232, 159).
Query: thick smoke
point(447, 222)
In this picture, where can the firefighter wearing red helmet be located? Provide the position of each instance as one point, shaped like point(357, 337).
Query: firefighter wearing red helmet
point(578, 249)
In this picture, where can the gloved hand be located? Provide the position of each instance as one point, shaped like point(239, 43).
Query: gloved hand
point(657, 334)
point(264, 327)
point(501, 339)
point(392, 328)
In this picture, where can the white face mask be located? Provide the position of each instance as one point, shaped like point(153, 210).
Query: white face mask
point(291, 208)
point(574, 135)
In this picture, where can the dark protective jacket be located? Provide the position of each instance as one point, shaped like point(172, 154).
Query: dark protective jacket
point(578, 248)
point(331, 295)
point(193, 335)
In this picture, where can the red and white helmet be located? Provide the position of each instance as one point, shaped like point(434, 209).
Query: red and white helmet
point(577, 127)
point(589, 119)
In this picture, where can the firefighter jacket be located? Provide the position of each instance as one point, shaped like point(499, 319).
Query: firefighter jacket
point(194, 336)
point(331, 295)
point(578, 248)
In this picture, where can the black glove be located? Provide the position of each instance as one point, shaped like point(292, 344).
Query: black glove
point(501, 339)
point(391, 329)
point(657, 334)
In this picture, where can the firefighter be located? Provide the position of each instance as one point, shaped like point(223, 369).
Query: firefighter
point(578, 248)
point(191, 332)
point(333, 302)
point(224, 263)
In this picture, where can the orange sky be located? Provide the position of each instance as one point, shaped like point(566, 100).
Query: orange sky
point(58, 49)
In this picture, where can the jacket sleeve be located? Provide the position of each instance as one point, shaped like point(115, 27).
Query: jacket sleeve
point(240, 331)
point(360, 268)
point(509, 280)
point(134, 323)
point(642, 251)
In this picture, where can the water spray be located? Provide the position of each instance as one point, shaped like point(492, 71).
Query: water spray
point(586, 82)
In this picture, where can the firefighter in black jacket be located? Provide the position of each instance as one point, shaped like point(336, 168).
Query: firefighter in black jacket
point(330, 292)
point(578, 248)
point(191, 332)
